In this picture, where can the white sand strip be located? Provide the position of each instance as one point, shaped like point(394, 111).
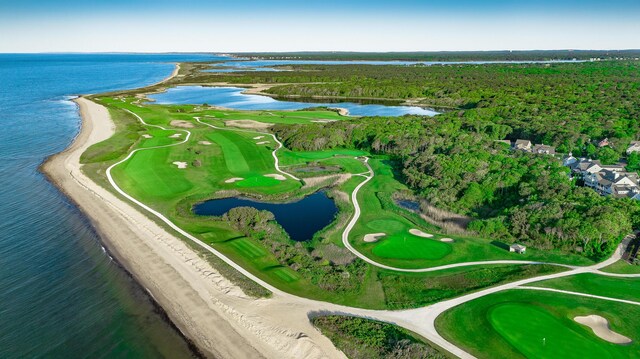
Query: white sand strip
point(601, 328)
point(262, 142)
point(373, 237)
point(233, 179)
point(181, 165)
point(277, 176)
point(447, 240)
point(175, 135)
point(206, 143)
point(419, 233)
point(147, 136)
point(258, 137)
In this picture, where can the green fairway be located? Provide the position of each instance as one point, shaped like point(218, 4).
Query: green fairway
point(623, 288)
point(536, 324)
point(538, 334)
point(408, 246)
point(622, 267)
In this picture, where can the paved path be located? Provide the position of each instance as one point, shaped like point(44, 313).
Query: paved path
point(419, 320)
point(356, 215)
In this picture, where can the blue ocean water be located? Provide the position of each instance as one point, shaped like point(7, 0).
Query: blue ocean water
point(61, 295)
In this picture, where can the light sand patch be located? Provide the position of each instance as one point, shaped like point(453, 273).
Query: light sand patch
point(233, 179)
point(448, 240)
point(206, 143)
point(277, 176)
point(373, 237)
point(262, 142)
point(600, 327)
point(248, 124)
point(181, 123)
point(181, 165)
point(343, 111)
point(323, 121)
point(419, 233)
point(175, 135)
point(147, 136)
point(258, 137)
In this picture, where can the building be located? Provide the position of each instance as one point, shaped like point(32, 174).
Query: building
point(569, 160)
point(522, 145)
point(544, 149)
point(517, 248)
point(603, 143)
point(634, 146)
point(607, 180)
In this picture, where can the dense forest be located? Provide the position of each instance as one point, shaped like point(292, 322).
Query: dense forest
point(454, 159)
point(533, 55)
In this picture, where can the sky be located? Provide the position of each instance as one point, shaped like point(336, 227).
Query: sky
point(327, 25)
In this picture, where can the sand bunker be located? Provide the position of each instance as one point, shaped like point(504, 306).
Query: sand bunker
point(419, 233)
point(180, 123)
point(373, 237)
point(322, 121)
point(600, 327)
point(147, 136)
point(248, 124)
point(206, 143)
point(175, 135)
point(233, 179)
point(261, 142)
point(258, 137)
point(181, 165)
point(448, 240)
point(279, 177)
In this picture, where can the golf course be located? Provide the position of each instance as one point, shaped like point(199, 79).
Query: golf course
point(373, 253)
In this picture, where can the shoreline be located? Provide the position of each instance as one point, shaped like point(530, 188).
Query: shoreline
point(210, 311)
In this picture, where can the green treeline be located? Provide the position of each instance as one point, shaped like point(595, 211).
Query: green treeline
point(458, 166)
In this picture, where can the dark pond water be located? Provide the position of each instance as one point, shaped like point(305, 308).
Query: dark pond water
point(301, 219)
point(407, 204)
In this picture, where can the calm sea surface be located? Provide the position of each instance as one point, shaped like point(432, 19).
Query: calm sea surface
point(61, 295)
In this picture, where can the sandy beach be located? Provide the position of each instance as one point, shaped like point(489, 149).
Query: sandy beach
point(215, 314)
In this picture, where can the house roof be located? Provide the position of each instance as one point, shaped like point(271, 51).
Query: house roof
point(517, 246)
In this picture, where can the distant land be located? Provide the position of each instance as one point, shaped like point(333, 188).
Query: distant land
point(502, 55)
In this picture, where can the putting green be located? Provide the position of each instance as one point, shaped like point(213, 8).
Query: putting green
point(538, 334)
point(258, 181)
point(408, 246)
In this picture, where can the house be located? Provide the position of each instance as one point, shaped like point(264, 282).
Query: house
point(586, 166)
point(517, 248)
point(609, 183)
point(603, 143)
point(634, 146)
point(569, 160)
point(544, 149)
point(522, 145)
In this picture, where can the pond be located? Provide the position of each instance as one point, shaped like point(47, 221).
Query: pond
point(233, 98)
point(300, 219)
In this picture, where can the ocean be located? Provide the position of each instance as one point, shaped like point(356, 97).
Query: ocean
point(61, 294)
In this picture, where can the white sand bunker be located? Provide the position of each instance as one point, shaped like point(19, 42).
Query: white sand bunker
point(448, 240)
point(419, 233)
point(262, 142)
point(206, 143)
point(233, 179)
point(248, 124)
point(600, 327)
point(373, 237)
point(175, 135)
point(258, 137)
point(322, 121)
point(279, 177)
point(180, 123)
point(181, 165)
point(147, 136)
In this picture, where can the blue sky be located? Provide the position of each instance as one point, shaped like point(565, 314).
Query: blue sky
point(286, 25)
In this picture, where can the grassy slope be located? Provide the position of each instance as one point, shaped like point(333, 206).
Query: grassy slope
point(513, 324)
point(622, 267)
point(623, 288)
